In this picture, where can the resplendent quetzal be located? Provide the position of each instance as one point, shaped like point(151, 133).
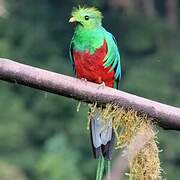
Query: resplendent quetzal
point(95, 57)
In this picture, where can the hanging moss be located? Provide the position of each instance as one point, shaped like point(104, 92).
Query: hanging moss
point(128, 125)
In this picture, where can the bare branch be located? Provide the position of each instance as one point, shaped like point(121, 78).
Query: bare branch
point(168, 116)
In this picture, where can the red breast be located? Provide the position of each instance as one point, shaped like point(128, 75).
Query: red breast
point(90, 66)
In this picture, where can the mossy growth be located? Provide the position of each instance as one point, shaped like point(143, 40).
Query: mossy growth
point(137, 135)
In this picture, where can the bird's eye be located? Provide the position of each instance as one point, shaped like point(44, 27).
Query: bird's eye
point(86, 18)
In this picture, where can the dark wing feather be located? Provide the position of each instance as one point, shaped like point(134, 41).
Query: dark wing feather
point(71, 55)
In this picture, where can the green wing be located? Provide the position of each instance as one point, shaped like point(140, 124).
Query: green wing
point(113, 57)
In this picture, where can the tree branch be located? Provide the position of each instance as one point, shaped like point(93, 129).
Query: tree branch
point(168, 116)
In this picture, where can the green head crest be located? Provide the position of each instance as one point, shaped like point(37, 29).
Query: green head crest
point(86, 17)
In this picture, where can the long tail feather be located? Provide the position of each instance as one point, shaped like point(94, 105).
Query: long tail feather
point(108, 168)
point(103, 168)
point(102, 136)
point(100, 168)
point(102, 139)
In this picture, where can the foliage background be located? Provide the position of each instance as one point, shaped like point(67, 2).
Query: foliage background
point(42, 137)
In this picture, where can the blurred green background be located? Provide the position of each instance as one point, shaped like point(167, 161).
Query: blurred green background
point(42, 137)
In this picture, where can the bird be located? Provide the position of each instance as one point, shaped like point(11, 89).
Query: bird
point(95, 57)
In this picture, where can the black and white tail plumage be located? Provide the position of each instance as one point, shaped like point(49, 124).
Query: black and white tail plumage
point(102, 139)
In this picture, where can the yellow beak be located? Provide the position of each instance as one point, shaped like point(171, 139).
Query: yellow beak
point(72, 19)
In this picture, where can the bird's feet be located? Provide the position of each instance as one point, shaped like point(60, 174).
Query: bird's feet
point(102, 85)
point(84, 80)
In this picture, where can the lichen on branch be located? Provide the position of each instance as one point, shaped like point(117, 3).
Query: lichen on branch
point(137, 136)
